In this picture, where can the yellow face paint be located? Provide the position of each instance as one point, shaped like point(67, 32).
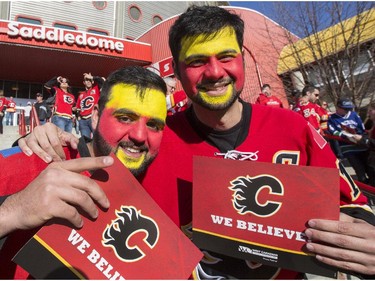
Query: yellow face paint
point(199, 45)
point(128, 116)
point(153, 104)
point(211, 70)
point(130, 162)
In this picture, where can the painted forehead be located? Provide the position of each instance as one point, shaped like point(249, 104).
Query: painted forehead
point(224, 40)
point(152, 104)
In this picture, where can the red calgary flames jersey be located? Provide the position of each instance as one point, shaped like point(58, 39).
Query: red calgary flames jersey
point(169, 179)
point(86, 101)
point(64, 103)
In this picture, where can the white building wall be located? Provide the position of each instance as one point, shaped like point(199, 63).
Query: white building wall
point(81, 14)
point(115, 18)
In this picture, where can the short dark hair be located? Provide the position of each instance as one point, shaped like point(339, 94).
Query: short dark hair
point(309, 89)
point(265, 86)
point(207, 20)
point(137, 76)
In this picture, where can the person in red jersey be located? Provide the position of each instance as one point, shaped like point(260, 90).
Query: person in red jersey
point(176, 101)
point(312, 112)
point(128, 121)
point(3, 107)
point(206, 45)
point(63, 101)
point(266, 97)
point(10, 111)
point(86, 101)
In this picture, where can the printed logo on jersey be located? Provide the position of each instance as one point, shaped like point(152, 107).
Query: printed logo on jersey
point(68, 99)
point(289, 157)
point(247, 191)
point(129, 222)
point(87, 103)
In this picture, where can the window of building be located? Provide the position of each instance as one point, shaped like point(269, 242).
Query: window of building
point(135, 13)
point(100, 5)
point(36, 88)
point(64, 26)
point(156, 19)
point(28, 20)
point(23, 90)
point(96, 31)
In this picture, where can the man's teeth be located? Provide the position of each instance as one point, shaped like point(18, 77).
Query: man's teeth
point(132, 150)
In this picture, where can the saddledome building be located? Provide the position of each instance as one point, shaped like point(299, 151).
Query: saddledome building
point(43, 39)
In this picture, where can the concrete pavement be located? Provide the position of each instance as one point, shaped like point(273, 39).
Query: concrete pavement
point(10, 134)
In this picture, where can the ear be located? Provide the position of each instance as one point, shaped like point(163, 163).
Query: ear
point(175, 70)
point(95, 117)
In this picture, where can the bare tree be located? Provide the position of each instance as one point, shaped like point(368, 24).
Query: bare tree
point(336, 51)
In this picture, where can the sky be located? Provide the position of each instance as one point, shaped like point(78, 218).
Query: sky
point(268, 8)
point(264, 7)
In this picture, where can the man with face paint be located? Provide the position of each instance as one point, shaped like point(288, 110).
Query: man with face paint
point(206, 45)
point(128, 121)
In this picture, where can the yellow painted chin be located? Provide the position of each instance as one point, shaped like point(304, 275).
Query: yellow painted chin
point(130, 162)
point(209, 99)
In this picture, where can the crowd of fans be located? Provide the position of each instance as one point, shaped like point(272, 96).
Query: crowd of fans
point(343, 129)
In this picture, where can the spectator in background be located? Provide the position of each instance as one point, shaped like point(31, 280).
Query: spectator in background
point(3, 106)
point(86, 101)
point(312, 112)
point(27, 109)
point(42, 109)
point(347, 127)
point(63, 101)
point(176, 101)
point(325, 106)
point(11, 109)
point(369, 142)
point(266, 97)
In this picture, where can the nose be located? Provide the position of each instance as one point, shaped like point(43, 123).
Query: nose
point(214, 69)
point(138, 132)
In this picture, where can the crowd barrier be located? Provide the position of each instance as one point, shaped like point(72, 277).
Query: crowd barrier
point(34, 121)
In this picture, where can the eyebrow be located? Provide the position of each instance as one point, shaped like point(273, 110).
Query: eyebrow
point(200, 56)
point(124, 111)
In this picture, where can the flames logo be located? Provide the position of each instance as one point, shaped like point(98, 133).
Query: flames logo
point(68, 99)
point(87, 103)
point(246, 191)
point(129, 222)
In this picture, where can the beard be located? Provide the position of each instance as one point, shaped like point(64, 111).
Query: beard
point(198, 99)
point(102, 148)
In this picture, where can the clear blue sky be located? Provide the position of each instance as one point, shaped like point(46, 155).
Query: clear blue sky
point(264, 7)
point(268, 8)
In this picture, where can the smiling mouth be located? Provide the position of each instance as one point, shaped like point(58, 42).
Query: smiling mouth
point(215, 89)
point(133, 152)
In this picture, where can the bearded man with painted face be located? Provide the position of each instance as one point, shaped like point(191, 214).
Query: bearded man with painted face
point(128, 121)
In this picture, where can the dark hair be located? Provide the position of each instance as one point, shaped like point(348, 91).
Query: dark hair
point(137, 76)
point(207, 20)
point(265, 86)
point(309, 89)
